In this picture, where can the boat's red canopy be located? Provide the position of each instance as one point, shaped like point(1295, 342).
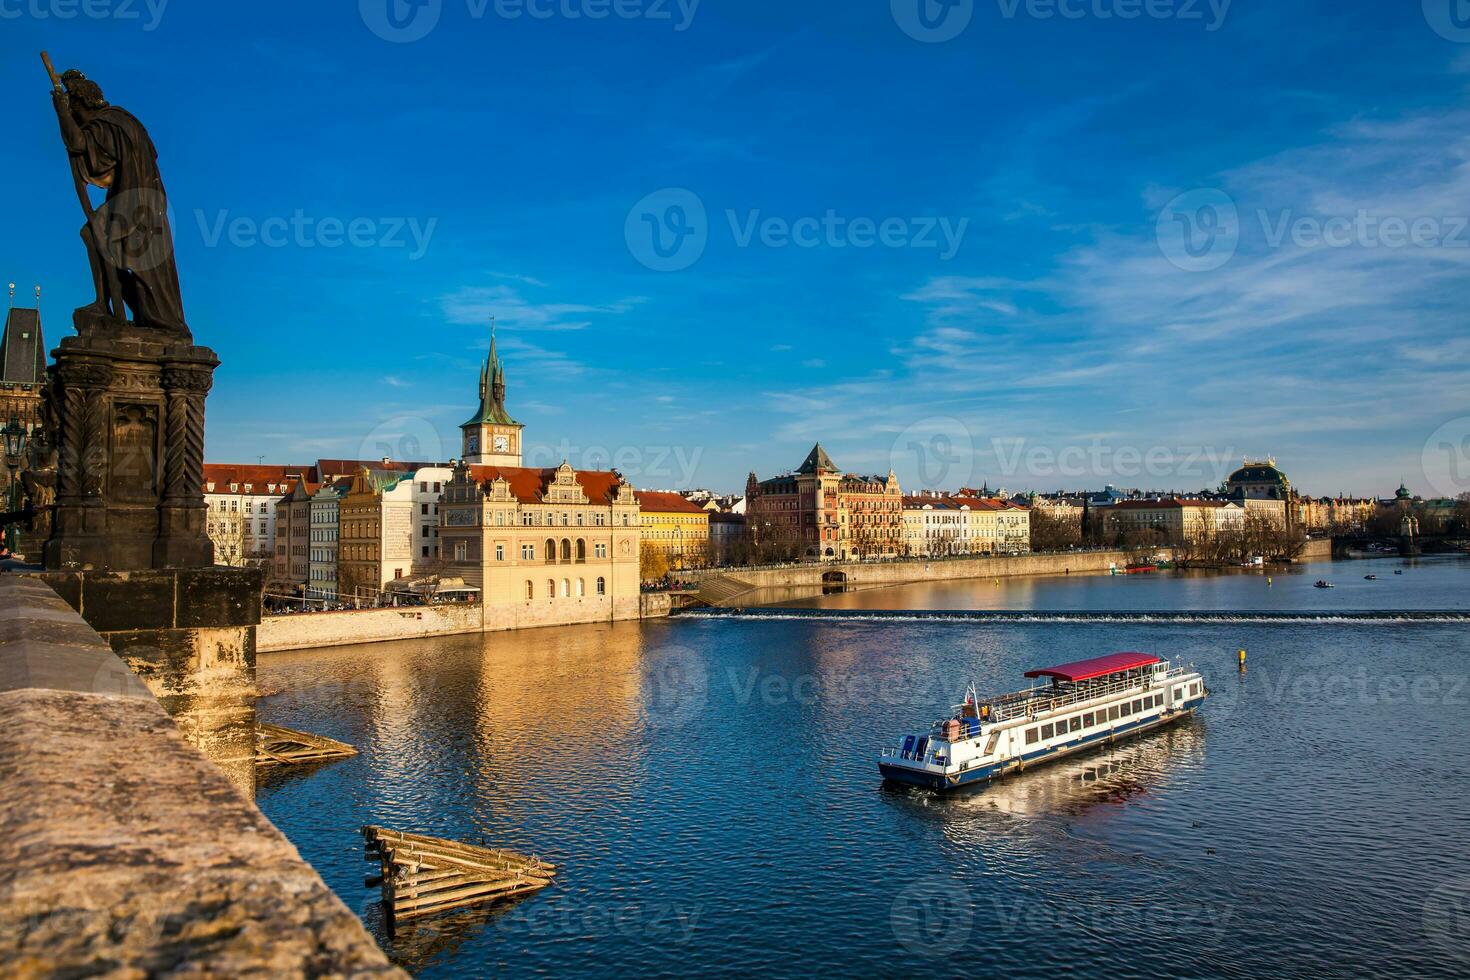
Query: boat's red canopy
point(1084, 670)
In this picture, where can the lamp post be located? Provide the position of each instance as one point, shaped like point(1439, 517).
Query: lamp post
point(15, 436)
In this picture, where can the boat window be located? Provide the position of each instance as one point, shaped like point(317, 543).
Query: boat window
point(1138, 706)
point(1113, 713)
point(1126, 710)
point(921, 748)
point(1193, 690)
point(1087, 721)
point(1076, 724)
point(1031, 736)
point(1047, 731)
point(908, 748)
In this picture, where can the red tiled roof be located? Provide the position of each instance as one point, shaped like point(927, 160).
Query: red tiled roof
point(658, 502)
point(529, 485)
point(251, 479)
point(1171, 502)
point(330, 469)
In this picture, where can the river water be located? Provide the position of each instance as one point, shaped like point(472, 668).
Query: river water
point(708, 788)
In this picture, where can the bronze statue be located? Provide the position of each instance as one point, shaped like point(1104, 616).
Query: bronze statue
point(128, 238)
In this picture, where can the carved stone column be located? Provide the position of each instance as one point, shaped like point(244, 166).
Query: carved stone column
point(78, 391)
point(183, 539)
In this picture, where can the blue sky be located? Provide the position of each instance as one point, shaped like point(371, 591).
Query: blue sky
point(1009, 246)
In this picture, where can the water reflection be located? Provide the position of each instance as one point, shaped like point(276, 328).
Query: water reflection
point(1072, 787)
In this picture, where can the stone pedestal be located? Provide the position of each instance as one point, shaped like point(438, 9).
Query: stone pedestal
point(127, 416)
point(189, 636)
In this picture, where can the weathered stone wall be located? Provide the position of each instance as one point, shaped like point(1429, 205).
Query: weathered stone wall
point(123, 851)
point(863, 575)
point(306, 631)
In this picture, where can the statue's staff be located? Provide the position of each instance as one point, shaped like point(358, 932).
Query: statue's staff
point(76, 167)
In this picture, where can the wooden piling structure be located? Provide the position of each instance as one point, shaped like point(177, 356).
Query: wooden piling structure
point(275, 746)
point(425, 875)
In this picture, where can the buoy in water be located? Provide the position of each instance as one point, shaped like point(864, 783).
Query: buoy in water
point(1241, 657)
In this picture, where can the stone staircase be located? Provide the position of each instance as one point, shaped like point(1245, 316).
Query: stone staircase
point(723, 590)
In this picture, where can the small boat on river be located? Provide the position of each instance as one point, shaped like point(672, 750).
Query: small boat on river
point(1322, 583)
point(1085, 704)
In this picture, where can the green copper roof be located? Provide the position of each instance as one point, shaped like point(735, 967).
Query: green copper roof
point(817, 459)
point(492, 392)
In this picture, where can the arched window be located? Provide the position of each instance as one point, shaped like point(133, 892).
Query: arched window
point(581, 587)
point(601, 586)
point(566, 588)
point(551, 588)
point(581, 551)
point(530, 589)
point(566, 550)
point(550, 551)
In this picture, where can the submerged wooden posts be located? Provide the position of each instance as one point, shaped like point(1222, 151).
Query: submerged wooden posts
point(275, 745)
point(425, 875)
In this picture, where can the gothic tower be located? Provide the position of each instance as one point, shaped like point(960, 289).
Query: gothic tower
point(492, 437)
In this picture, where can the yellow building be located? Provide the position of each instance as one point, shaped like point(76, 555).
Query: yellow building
point(675, 532)
point(544, 546)
point(1178, 521)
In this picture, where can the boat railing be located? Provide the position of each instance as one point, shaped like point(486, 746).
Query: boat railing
point(1036, 700)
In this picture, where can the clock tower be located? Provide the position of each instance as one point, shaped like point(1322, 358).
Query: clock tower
point(492, 437)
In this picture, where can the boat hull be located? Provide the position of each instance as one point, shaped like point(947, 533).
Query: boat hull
point(979, 775)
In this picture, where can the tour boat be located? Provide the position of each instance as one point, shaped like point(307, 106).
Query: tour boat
point(1087, 703)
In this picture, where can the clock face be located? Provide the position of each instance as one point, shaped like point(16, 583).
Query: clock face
point(502, 444)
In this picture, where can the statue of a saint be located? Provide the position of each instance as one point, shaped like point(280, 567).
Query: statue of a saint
point(127, 237)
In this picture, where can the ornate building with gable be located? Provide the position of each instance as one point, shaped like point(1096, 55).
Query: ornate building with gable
point(820, 513)
point(545, 547)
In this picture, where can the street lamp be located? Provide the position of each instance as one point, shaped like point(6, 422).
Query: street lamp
point(15, 447)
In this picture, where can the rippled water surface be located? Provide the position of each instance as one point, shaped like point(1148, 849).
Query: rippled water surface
point(709, 789)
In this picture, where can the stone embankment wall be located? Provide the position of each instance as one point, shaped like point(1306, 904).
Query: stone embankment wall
point(123, 851)
point(307, 631)
point(862, 575)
